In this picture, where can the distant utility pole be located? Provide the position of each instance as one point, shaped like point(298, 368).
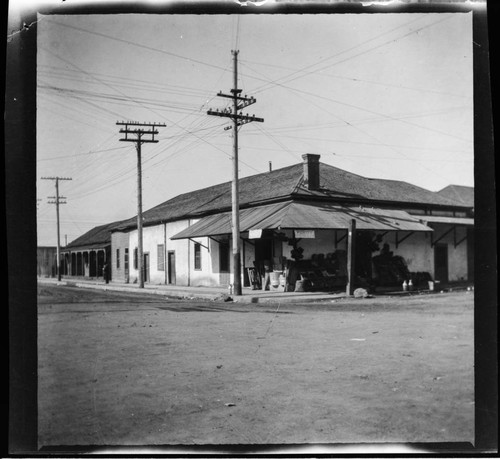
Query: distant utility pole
point(141, 133)
point(57, 201)
point(239, 103)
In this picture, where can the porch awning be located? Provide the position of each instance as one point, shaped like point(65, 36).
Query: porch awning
point(449, 220)
point(302, 215)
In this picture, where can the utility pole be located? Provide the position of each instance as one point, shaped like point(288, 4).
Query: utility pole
point(239, 103)
point(57, 201)
point(141, 133)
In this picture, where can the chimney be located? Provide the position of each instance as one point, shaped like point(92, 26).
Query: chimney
point(311, 171)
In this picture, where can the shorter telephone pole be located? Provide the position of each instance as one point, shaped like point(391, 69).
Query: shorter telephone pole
point(57, 201)
point(141, 133)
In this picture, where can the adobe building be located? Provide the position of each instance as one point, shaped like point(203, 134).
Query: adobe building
point(293, 224)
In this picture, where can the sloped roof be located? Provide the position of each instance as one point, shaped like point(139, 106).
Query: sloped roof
point(285, 183)
point(279, 185)
point(305, 215)
point(99, 236)
point(261, 187)
point(461, 195)
point(342, 185)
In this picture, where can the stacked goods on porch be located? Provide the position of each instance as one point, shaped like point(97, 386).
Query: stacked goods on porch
point(321, 272)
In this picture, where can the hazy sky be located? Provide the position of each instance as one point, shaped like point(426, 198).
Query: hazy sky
point(381, 95)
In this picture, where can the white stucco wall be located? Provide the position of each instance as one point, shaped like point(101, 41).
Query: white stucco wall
point(204, 276)
point(181, 248)
point(415, 250)
point(457, 256)
point(120, 241)
point(419, 254)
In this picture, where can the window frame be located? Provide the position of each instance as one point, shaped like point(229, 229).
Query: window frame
point(160, 257)
point(197, 256)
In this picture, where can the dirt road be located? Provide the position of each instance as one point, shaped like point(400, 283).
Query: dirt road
point(121, 369)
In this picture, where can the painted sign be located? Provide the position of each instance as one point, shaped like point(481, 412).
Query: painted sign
point(304, 234)
point(255, 234)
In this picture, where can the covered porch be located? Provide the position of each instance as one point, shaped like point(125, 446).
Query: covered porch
point(316, 246)
point(85, 262)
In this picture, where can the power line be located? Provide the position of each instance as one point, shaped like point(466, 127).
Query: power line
point(128, 42)
point(289, 78)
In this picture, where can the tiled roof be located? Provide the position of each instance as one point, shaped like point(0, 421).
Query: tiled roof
point(461, 195)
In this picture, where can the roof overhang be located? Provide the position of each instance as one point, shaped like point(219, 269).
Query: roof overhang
point(305, 215)
point(86, 248)
point(460, 221)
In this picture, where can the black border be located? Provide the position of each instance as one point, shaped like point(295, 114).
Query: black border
point(20, 222)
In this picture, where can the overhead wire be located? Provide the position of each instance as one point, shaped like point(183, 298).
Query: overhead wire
point(154, 111)
point(138, 45)
point(354, 126)
point(301, 73)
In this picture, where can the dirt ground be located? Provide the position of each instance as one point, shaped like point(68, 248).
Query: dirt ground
point(124, 369)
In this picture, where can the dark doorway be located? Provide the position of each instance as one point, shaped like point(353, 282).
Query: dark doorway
point(146, 267)
point(171, 267)
point(224, 263)
point(263, 249)
point(100, 262)
point(93, 265)
point(441, 262)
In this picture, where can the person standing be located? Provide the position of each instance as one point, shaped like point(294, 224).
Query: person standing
point(105, 272)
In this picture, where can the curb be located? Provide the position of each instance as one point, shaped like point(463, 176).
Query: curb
point(247, 299)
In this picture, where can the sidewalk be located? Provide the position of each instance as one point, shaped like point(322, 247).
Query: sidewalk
point(204, 293)
point(219, 293)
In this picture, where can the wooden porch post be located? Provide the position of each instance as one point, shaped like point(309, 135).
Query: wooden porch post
point(351, 250)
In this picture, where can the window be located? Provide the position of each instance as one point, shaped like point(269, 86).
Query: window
point(161, 257)
point(136, 258)
point(197, 255)
point(224, 257)
point(117, 258)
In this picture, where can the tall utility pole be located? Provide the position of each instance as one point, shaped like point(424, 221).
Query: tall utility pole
point(239, 103)
point(57, 201)
point(141, 133)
